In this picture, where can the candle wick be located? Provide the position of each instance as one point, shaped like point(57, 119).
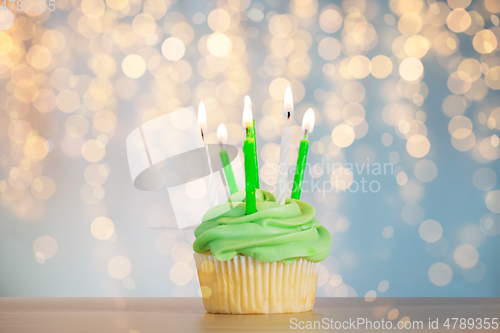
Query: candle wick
point(305, 135)
point(221, 146)
point(288, 116)
point(202, 135)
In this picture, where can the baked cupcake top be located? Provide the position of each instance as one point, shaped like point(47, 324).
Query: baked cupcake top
point(274, 233)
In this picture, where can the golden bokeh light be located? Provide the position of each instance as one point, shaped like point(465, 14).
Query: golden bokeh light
point(343, 135)
point(459, 82)
point(304, 8)
point(144, 24)
point(181, 273)
point(383, 286)
point(488, 150)
point(329, 48)
point(430, 231)
point(173, 49)
point(54, 41)
point(411, 69)
point(353, 114)
point(495, 140)
point(386, 139)
point(93, 150)
point(410, 24)
point(117, 4)
point(466, 256)
point(492, 5)
point(418, 146)
point(93, 8)
point(39, 57)
point(465, 143)
point(219, 44)
point(401, 178)
point(96, 174)
point(485, 41)
point(44, 100)
point(133, 66)
point(393, 314)
point(102, 228)
point(277, 88)
point(330, 20)
point(119, 267)
point(493, 201)
point(43, 187)
point(393, 113)
point(359, 67)
point(387, 233)
point(458, 20)
point(45, 247)
point(459, 3)
point(206, 292)
point(6, 19)
point(469, 69)
point(68, 101)
point(460, 127)
point(370, 296)
point(219, 20)
point(381, 66)
point(35, 147)
point(440, 274)
point(415, 46)
point(182, 252)
point(492, 78)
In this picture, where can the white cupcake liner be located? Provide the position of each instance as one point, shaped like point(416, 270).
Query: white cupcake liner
point(245, 285)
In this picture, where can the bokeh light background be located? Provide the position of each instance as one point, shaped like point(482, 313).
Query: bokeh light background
point(409, 82)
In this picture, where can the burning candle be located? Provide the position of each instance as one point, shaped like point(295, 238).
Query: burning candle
point(249, 153)
point(226, 163)
point(202, 123)
point(307, 127)
point(248, 102)
point(286, 134)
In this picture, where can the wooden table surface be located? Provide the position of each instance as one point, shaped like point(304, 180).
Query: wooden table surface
point(144, 315)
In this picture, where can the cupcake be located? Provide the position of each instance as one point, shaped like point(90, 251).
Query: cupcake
point(266, 262)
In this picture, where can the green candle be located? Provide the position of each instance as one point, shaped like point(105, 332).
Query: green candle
point(249, 153)
point(254, 135)
point(226, 163)
point(228, 171)
point(307, 126)
point(300, 169)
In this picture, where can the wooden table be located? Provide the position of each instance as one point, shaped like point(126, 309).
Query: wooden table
point(144, 315)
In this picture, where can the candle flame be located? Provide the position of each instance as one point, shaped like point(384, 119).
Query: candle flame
point(288, 102)
point(247, 117)
point(222, 134)
point(247, 102)
point(308, 121)
point(202, 117)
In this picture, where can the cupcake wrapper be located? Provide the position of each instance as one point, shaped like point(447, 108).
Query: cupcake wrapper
point(245, 285)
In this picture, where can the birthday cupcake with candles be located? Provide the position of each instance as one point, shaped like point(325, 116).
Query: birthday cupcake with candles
point(259, 253)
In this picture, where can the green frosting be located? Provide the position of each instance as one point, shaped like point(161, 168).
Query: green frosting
point(274, 233)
